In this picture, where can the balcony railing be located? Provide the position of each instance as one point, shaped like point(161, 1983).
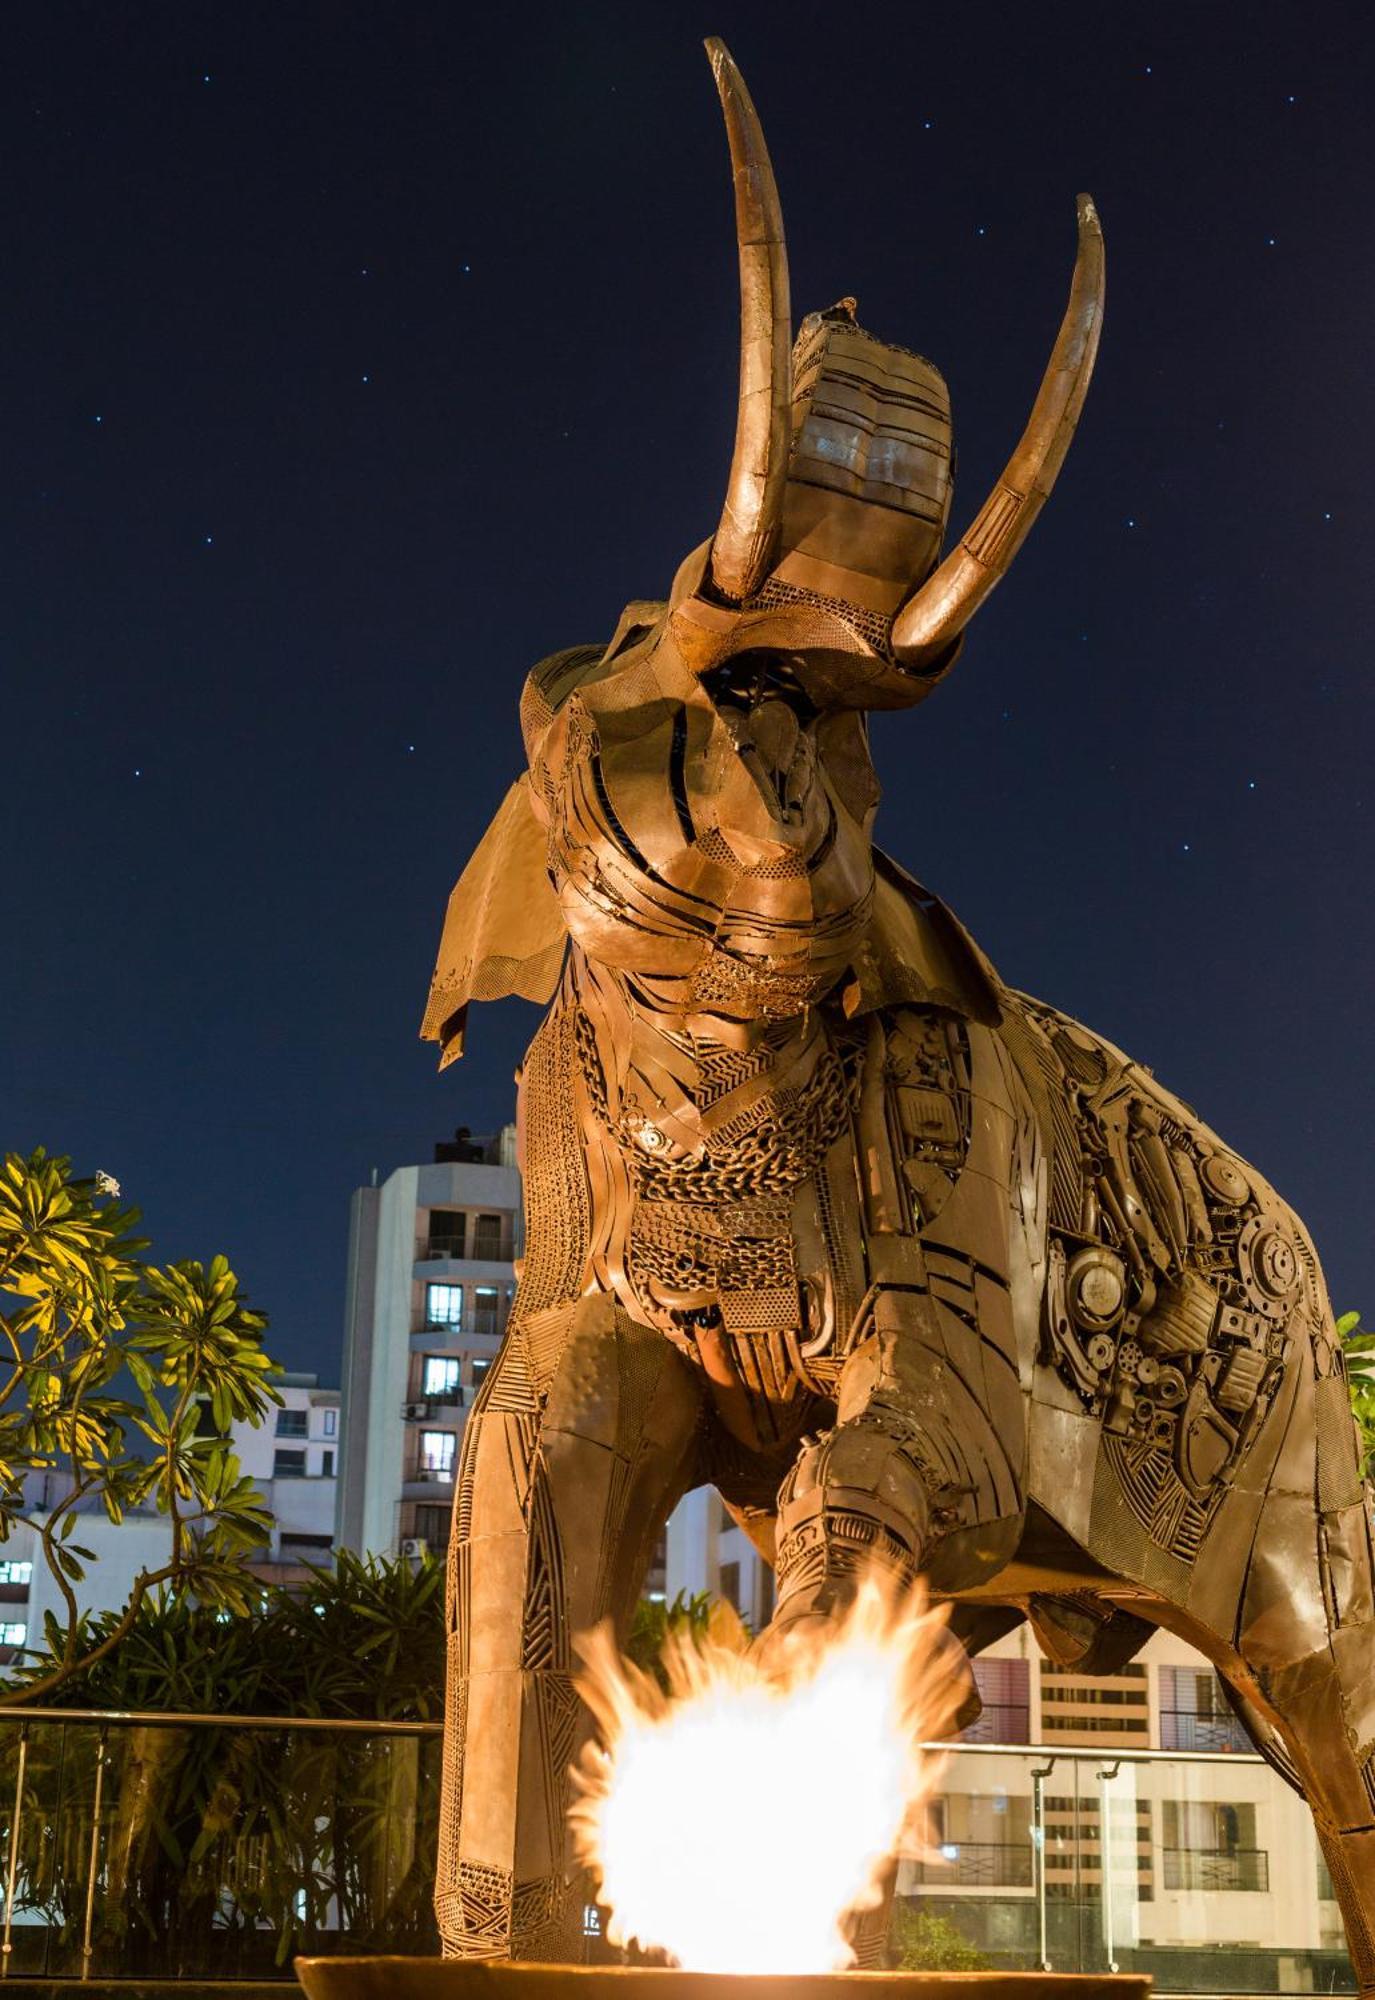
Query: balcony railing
point(472, 1326)
point(1182, 1729)
point(979, 1864)
point(1217, 1868)
point(483, 1250)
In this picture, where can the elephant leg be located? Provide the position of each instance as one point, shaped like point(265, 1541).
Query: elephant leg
point(915, 1477)
point(575, 1453)
point(1305, 1685)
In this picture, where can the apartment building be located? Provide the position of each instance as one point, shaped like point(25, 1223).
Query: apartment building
point(292, 1457)
point(1162, 1839)
point(431, 1275)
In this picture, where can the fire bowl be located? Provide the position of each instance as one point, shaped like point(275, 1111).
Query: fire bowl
point(497, 1979)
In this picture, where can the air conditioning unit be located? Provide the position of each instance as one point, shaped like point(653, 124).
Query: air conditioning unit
point(415, 1412)
point(415, 1546)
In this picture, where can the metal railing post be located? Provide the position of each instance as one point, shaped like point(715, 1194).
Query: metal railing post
point(86, 1946)
point(1039, 1774)
point(12, 1866)
point(1105, 1778)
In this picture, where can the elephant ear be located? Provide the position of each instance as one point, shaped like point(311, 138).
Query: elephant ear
point(503, 931)
point(917, 951)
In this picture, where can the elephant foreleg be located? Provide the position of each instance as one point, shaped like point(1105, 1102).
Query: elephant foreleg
point(914, 1477)
point(572, 1460)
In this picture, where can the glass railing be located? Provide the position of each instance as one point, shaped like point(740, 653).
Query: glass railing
point(1201, 1868)
point(192, 1847)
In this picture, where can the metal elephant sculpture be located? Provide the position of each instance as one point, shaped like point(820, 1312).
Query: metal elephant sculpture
point(911, 1267)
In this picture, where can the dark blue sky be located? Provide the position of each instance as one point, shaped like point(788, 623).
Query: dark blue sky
point(357, 356)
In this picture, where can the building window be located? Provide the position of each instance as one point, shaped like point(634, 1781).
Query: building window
point(16, 1572)
point(443, 1305)
point(730, 1584)
point(1194, 1712)
point(288, 1465)
point(1005, 1691)
point(440, 1380)
point(305, 1548)
point(432, 1525)
point(487, 1310)
point(1208, 1845)
point(13, 1633)
point(480, 1364)
point(293, 1423)
point(446, 1233)
point(327, 1465)
point(487, 1236)
point(331, 1425)
point(437, 1454)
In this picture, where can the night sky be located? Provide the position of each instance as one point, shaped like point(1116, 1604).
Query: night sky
point(355, 357)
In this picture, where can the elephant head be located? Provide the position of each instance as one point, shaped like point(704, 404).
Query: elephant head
point(702, 787)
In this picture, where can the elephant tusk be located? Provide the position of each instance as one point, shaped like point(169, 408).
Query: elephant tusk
point(744, 541)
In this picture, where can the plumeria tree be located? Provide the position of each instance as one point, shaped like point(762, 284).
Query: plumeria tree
point(120, 1379)
point(1358, 1343)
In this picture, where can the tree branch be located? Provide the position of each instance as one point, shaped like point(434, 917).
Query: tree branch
point(16, 1697)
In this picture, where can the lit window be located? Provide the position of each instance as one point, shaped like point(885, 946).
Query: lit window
point(443, 1305)
point(16, 1572)
point(437, 1453)
point(13, 1634)
point(288, 1465)
point(293, 1423)
point(331, 1425)
point(441, 1374)
point(480, 1365)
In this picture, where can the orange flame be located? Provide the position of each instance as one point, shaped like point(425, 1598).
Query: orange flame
point(736, 1824)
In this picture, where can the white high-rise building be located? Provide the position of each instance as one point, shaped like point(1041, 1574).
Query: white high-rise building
point(431, 1275)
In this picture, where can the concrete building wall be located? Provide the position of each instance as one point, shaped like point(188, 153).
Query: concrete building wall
point(121, 1551)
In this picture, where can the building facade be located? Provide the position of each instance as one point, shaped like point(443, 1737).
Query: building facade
point(292, 1457)
point(431, 1275)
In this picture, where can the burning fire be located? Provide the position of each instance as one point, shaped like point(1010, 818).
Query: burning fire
point(735, 1824)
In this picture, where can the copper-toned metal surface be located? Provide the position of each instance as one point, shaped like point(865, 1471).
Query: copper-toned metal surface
point(754, 493)
point(912, 1267)
point(476, 1979)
